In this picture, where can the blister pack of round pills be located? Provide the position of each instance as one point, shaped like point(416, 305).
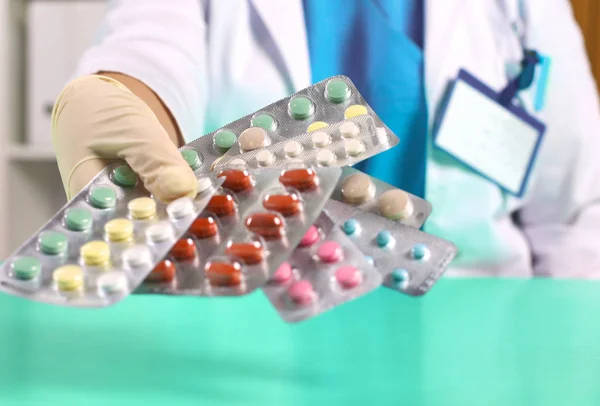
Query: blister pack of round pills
point(250, 226)
point(410, 260)
point(360, 192)
point(324, 271)
point(103, 243)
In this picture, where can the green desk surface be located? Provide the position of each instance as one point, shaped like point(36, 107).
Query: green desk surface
point(469, 342)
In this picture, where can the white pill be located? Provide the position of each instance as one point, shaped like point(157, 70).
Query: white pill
point(237, 162)
point(204, 184)
point(354, 147)
point(382, 135)
point(265, 157)
point(320, 139)
point(137, 256)
point(160, 232)
point(325, 157)
point(292, 148)
point(180, 208)
point(349, 129)
point(112, 282)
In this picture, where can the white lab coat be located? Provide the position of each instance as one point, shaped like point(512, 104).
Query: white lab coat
point(212, 61)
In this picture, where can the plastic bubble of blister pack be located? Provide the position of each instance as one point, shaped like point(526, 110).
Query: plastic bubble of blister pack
point(410, 260)
point(249, 227)
point(101, 245)
point(324, 271)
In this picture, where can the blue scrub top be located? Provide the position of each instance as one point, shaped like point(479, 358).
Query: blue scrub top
point(378, 44)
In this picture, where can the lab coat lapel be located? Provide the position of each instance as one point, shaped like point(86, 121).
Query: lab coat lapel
point(285, 22)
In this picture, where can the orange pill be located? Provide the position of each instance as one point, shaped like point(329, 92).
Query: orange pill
point(184, 249)
point(268, 225)
point(164, 272)
point(288, 204)
point(251, 253)
point(237, 180)
point(223, 274)
point(221, 205)
point(303, 179)
point(204, 227)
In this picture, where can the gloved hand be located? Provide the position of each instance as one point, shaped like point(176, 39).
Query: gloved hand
point(96, 119)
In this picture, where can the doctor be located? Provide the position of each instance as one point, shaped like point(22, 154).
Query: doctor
point(165, 72)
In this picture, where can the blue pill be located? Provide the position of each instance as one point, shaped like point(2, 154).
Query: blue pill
point(384, 238)
point(420, 251)
point(400, 277)
point(350, 226)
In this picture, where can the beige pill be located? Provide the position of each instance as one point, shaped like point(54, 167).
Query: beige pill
point(252, 138)
point(395, 204)
point(358, 189)
point(349, 129)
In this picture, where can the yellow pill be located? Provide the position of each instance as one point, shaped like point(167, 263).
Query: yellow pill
point(355, 110)
point(317, 125)
point(142, 208)
point(68, 277)
point(95, 253)
point(119, 230)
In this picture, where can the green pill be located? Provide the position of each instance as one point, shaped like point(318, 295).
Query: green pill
point(53, 243)
point(225, 139)
point(264, 121)
point(26, 268)
point(124, 176)
point(337, 91)
point(103, 197)
point(192, 158)
point(78, 219)
point(301, 108)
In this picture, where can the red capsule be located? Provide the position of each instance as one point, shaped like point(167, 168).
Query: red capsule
point(184, 249)
point(223, 274)
point(288, 204)
point(268, 225)
point(236, 180)
point(221, 205)
point(164, 272)
point(204, 227)
point(251, 253)
point(303, 179)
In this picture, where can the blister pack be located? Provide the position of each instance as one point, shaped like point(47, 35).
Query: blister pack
point(103, 243)
point(410, 260)
point(361, 192)
point(247, 230)
point(324, 271)
point(313, 108)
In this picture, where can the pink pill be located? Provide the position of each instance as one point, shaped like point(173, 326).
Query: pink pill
point(348, 276)
point(311, 237)
point(302, 293)
point(283, 273)
point(330, 252)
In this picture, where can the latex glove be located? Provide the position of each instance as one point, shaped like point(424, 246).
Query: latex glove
point(96, 119)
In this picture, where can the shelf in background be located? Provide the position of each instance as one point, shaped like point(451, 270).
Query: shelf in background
point(31, 153)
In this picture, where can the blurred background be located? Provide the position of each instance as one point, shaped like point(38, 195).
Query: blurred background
point(40, 43)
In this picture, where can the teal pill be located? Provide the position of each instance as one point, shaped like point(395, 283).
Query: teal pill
point(420, 251)
point(192, 158)
point(224, 139)
point(53, 243)
point(124, 176)
point(103, 198)
point(264, 121)
point(78, 219)
point(337, 91)
point(384, 238)
point(400, 276)
point(26, 268)
point(350, 226)
point(301, 108)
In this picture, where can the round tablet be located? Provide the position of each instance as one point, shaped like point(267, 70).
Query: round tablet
point(265, 157)
point(330, 252)
point(354, 147)
point(184, 250)
point(160, 232)
point(192, 158)
point(252, 138)
point(221, 205)
point(317, 125)
point(349, 129)
point(119, 230)
point(292, 148)
point(283, 273)
point(420, 252)
point(337, 91)
point(288, 204)
point(357, 189)
point(264, 121)
point(204, 184)
point(103, 197)
point(395, 204)
point(95, 253)
point(137, 256)
point(320, 139)
point(269, 226)
point(301, 107)
point(112, 282)
point(351, 227)
point(26, 268)
point(78, 219)
point(163, 272)
point(311, 237)
point(204, 227)
point(400, 277)
point(124, 176)
point(180, 208)
point(355, 110)
point(325, 157)
point(223, 273)
point(142, 208)
point(301, 293)
point(53, 243)
point(224, 139)
point(384, 239)
point(237, 180)
point(237, 162)
point(250, 253)
point(348, 276)
point(68, 278)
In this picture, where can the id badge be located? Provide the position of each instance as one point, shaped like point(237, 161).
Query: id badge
point(499, 142)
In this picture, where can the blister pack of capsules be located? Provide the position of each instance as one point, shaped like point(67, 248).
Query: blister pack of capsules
point(101, 245)
point(410, 260)
point(248, 229)
point(363, 193)
point(324, 271)
point(313, 108)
